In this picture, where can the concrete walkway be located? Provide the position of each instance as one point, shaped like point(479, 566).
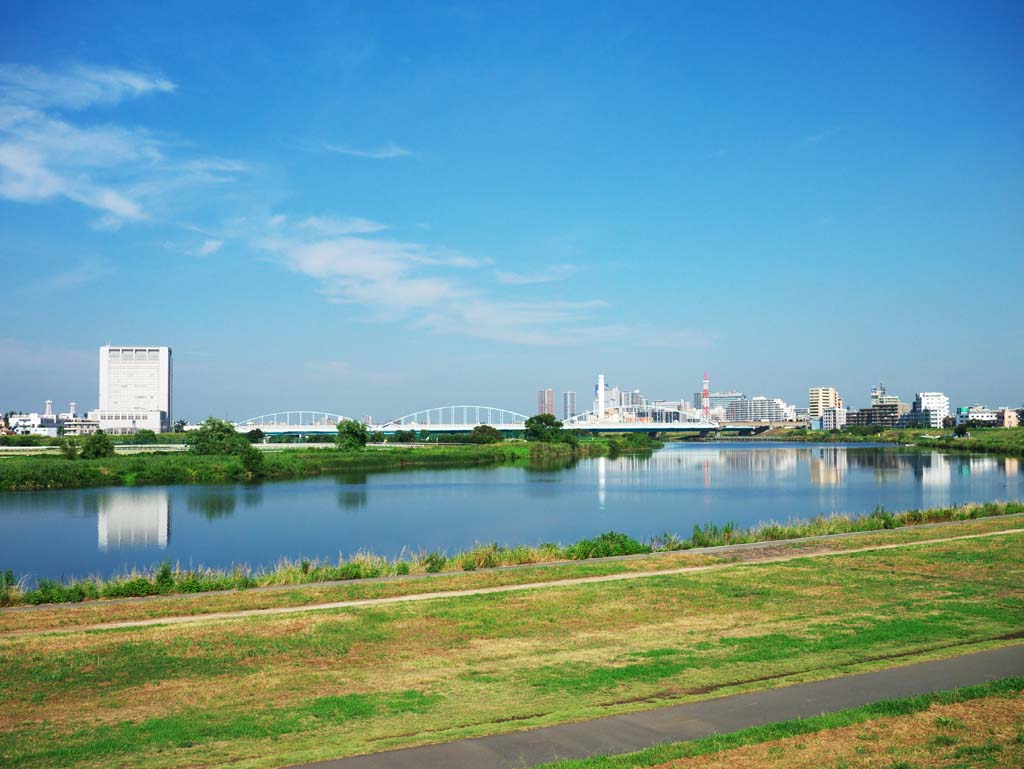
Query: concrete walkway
point(514, 588)
point(677, 723)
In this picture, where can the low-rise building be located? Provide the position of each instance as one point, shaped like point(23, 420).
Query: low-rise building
point(1006, 417)
point(975, 415)
point(80, 426)
point(128, 422)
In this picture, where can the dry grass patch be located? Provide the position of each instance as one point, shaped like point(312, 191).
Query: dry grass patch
point(980, 733)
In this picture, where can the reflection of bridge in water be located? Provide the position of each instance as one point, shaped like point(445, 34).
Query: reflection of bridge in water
point(462, 419)
point(129, 519)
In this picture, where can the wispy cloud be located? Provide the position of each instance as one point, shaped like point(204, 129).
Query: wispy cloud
point(209, 246)
point(330, 226)
point(817, 138)
point(547, 275)
point(77, 276)
point(117, 170)
point(77, 87)
point(438, 290)
point(386, 152)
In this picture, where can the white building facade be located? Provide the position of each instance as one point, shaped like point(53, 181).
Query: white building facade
point(135, 389)
point(931, 409)
point(833, 418)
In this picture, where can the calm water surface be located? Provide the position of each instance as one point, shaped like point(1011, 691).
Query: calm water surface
point(103, 531)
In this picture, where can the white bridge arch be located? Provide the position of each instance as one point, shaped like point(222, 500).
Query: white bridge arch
point(456, 419)
point(293, 422)
point(639, 418)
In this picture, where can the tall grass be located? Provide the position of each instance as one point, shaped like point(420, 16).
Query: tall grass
point(166, 579)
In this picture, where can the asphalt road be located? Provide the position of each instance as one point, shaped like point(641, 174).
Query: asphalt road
point(677, 723)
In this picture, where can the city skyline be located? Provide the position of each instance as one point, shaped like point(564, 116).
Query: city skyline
point(461, 215)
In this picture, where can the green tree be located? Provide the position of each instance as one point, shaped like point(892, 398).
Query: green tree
point(255, 436)
point(145, 436)
point(97, 446)
point(253, 462)
point(351, 435)
point(216, 436)
point(487, 434)
point(179, 425)
point(69, 447)
point(544, 428)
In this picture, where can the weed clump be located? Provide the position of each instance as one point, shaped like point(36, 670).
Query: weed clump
point(609, 544)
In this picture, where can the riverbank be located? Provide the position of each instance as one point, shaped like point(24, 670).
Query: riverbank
point(34, 473)
point(289, 689)
point(1008, 441)
point(166, 579)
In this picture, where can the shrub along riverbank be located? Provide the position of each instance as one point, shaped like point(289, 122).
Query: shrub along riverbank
point(1007, 441)
point(33, 473)
point(166, 579)
point(55, 472)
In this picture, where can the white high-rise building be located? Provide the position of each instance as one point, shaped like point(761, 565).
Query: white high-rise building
point(135, 389)
point(931, 408)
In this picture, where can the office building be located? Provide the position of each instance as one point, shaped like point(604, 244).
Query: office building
point(833, 419)
point(546, 401)
point(568, 404)
point(976, 415)
point(858, 417)
point(821, 398)
point(135, 389)
point(928, 410)
point(759, 409)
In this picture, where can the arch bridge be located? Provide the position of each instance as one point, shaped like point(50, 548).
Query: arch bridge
point(293, 423)
point(646, 418)
point(456, 419)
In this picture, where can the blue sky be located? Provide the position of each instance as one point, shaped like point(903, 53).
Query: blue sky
point(372, 208)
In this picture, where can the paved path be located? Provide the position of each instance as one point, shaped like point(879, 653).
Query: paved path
point(243, 613)
point(676, 723)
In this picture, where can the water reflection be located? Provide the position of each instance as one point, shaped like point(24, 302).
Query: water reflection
point(352, 498)
point(92, 531)
point(212, 504)
point(136, 518)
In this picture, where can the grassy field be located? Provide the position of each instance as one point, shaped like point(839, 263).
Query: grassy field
point(269, 691)
point(978, 727)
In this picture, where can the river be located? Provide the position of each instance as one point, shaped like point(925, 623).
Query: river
point(75, 533)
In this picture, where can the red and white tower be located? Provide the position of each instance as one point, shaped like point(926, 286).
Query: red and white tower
point(705, 400)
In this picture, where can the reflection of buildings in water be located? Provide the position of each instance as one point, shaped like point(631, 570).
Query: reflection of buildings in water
point(602, 480)
point(756, 463)
point(981, 465)
point(935, 471)
point(134, 519)
point(1011, 465)
point(828, 466)
point(884, 465)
